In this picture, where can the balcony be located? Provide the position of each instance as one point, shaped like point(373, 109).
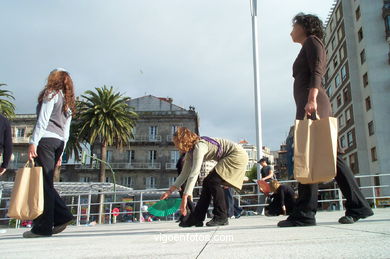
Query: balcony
point(170, 166)
point(146, 138)
point(129, 166)
point(20, 140)
point(169, 138)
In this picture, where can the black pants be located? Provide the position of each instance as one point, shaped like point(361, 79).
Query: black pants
point(356, 205)
point(212, 188)
point(55, 211)
point(190, 205)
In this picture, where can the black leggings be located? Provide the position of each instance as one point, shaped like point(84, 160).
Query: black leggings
point(356, 205)
point(55, 211)
point(212, 188)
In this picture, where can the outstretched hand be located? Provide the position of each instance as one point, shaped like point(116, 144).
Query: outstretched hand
point(183, 205)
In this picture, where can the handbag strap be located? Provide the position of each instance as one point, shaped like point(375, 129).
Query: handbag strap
point(214, 142)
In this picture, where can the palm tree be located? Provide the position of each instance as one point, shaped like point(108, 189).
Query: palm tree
point(106, 118)
point(7, 108)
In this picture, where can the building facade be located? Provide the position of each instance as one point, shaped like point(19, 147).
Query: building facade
point(358, 83)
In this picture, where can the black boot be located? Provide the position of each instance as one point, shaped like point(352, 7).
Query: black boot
point(191, 221)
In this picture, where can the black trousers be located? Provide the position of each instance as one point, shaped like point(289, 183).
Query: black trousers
point(212, 188)
point(356, 205)
point(55, 210)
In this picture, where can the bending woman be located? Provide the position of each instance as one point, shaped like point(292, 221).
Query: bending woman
point(56, 103)
point(230, 170)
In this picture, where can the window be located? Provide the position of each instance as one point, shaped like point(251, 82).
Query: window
point(338, 14)
point(373, 154)
point(348, 115)
point(108, 179)
point(109, 156)
point(350, 139)
point(342, 52)
point(341, 120)
point(357, 13)
point(342, 142)
point(368, 103)
point(326, 76)
point(127, 181)
point(347, 95)
point(338, 101)
point(172, 180)
point(330, 91)
point(130, 156)
point(365, 79)
point(152, 156)
point(353, 162)
point(84, 179)
point(333, 43)
point(337, 80)
point(20, 132)
point(335, 62)
point(150, 182)
point(344, 72)
point(174, 129)
point(371, 129)
point(363, 56)
point(340, 33)
point(175, 155)
point(360, 34)
point(153, 133)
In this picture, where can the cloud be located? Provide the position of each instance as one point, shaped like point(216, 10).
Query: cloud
point(198, 52)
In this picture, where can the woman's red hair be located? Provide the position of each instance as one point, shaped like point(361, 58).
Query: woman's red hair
point(60, 80)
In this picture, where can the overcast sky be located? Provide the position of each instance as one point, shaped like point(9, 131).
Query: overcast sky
point(198, 52)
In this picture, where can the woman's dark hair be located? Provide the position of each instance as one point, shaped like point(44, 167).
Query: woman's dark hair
point(264, 159)
point(311, 24)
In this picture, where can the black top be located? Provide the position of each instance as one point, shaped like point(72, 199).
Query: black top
point(286, 194)
point(308, 69)
point(5, 140)
point(265, 171)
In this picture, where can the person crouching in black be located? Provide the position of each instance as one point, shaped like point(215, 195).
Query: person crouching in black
point(282, 199)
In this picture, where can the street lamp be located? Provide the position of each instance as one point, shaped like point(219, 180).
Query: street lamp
point(259, 144)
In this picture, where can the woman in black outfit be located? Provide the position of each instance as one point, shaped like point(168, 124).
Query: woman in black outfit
point(282, 199)
point(310, 98)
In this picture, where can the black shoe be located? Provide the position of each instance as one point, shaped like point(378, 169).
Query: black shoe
point(217, 222)
point(295, 223)
point(58, 229)
point(352, 219)
point(191, 221)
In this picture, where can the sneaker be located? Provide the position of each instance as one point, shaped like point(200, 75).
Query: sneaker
point(217, 222)
point(58, 229)
point(294, 223)
point(29, 234)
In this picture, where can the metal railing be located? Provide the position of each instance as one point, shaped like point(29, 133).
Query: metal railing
point(84, 207)
point(137, 165)
point(146, 138)
point(170, 166)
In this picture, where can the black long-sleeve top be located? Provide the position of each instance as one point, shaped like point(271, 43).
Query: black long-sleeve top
point(5, 140)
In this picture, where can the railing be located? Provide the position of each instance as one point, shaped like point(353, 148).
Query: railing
point(134, 166)
point(20, 140)
point(169, 138)
point(146, 138)
point(170, 166)
point(16, 165)
point(131, 206)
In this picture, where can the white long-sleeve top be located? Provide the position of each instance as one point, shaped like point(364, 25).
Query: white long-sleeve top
point(45, 113)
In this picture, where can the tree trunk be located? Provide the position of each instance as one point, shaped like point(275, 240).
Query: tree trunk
point(102, 179)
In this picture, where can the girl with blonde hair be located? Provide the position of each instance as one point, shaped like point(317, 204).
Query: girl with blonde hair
point(229, 171)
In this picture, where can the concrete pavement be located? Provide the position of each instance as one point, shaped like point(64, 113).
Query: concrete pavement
point(246, 237)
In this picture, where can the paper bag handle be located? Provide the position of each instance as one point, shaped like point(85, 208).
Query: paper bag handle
point(30, 162)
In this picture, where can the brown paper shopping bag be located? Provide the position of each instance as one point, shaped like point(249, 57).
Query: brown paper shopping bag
point(27, 195)
point(315, 150)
